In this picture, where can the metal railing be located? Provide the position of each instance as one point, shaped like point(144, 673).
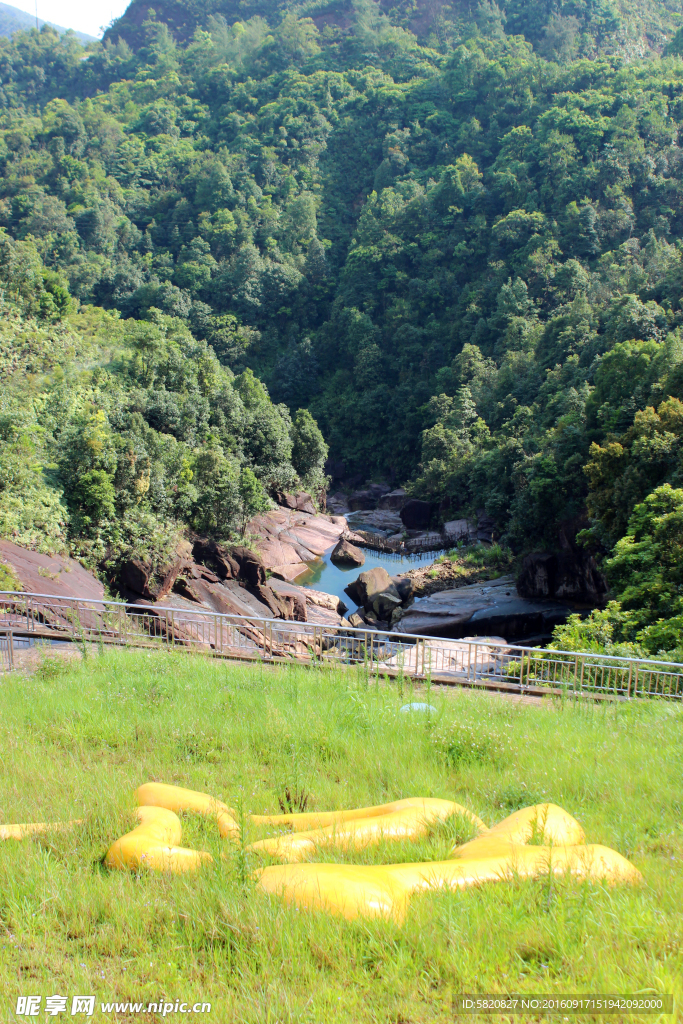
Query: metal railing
point(467, 662)
point(401, 548)
point(6, 650)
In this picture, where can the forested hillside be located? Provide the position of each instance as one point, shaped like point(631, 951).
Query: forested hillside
point(451, 233)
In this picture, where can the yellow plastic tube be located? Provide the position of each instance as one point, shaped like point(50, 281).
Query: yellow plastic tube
point(545, 824)
point(384, 890)
point(153, 844)
point(36, 828)
point(321, 819)
point(356, 829)
point(501, 853)
point(175, 798)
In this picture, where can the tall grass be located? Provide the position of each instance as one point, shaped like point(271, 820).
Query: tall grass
point(77, 739)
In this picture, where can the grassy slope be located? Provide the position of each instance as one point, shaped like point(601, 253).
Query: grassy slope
point(77, 739)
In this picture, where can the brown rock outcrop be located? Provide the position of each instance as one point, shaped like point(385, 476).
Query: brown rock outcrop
point(285, 536)
point(347, 554)
point(50, 574)
point(375, 591)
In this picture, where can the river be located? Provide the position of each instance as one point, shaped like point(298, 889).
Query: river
point(324, 575)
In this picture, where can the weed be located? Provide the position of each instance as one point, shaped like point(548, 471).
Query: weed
point(293, 801)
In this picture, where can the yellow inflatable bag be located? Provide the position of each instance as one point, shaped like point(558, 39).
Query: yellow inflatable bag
point(36, 828)
point(175, 798)
point(356, 829)
point(153, 844)
point(502, 853)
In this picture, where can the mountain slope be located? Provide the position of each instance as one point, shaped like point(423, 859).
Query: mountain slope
point(13, 20)
point(563, 30)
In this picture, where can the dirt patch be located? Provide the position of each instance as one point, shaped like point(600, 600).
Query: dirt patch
point(450, 574)
point(31, 659)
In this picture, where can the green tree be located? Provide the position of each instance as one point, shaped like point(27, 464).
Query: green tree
point(309, 452)
point(646, 571)
point(252, 498)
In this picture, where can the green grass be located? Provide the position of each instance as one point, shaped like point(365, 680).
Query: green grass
point(77, 739)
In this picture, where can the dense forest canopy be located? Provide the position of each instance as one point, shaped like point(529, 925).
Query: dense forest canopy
point(451, 234)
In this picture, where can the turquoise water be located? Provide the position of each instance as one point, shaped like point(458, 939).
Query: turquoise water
point(325, 576)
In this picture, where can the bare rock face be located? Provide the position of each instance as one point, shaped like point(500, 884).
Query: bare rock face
point(135, 576)
point(347, 554)
point(286, 537)
point(209, 553)
point(50, 574)
point(494, 607)
point(567, 575)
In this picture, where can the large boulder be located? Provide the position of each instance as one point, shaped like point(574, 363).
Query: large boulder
point(134, 576)
point(252, 569)
point(304, 503)
point(337, 503)
point(537, 575)
point(285, 500)
point(459, 531)
point(395, 499)
point(486, 527)
point(567, 574)
point(416, 514)
point(236, 563)
point(386, 603)
point(347, 554)
point(217, 557)
point(273, 601)
point(370, 585)
point(361, 500)
point(405, 587)
point(494, 607)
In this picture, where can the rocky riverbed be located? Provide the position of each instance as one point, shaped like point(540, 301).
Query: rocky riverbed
point(466, 594)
